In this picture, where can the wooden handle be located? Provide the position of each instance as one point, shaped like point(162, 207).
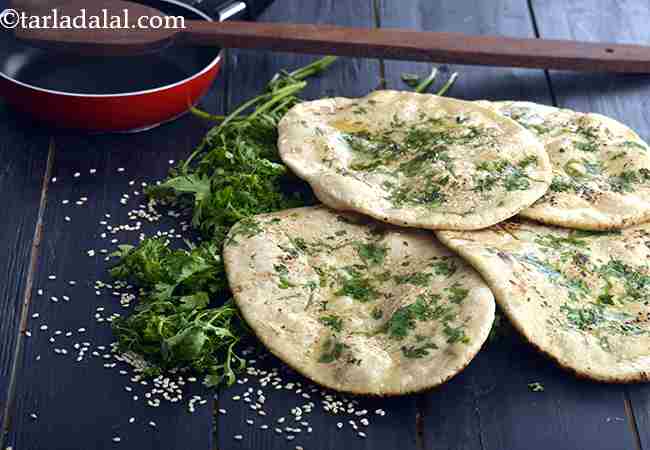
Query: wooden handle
point(436, 47)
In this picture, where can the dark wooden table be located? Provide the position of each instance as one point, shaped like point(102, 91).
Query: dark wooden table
point(51, 401)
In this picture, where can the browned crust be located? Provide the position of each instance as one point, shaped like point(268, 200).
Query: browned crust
point(580, 374)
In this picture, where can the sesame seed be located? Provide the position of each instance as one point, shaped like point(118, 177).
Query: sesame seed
point(152, 423)
point(76, 175)
point(33, 416)
point(120, 169)
point(51, 277)
point(132, 419)
point(117, 439)
point(361, 434)
point(238, 437)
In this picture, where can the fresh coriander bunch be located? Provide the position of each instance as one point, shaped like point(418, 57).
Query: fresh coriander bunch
point(185, 317)
point(173, 324)
point(236, 171)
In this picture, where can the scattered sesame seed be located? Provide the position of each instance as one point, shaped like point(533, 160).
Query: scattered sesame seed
point(76, 175)
point(120, 169)
point(132, 419)
point(51, 277)
point(117, 439)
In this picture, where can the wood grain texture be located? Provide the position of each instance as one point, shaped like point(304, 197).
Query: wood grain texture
point(83, 405)
point(403, 44)
point(489, 405)
point(23, 157)
point(250, 71)
point(624, 98)
point(507, 17)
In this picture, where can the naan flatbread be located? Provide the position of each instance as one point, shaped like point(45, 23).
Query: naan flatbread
point(354, 304)
point(415, 160)
point(581, 297)
point(601, 168)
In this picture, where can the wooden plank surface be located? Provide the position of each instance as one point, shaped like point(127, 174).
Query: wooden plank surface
point(397, 429)
point(489, 405)
point(63, 403)
point(621, 97)
point(506, 17)
point(23, 157)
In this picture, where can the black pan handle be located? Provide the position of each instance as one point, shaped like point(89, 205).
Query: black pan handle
point(232, 9)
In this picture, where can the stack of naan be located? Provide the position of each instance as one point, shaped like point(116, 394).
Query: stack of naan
point(542, 209)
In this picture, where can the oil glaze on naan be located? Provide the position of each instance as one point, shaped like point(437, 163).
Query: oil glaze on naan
point(355, 304)
point(415, 160)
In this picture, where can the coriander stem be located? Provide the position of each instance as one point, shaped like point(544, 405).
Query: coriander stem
point(312, 69)
point(443, 90)
point(206, 115)
point(280, 95)
point(423, 86)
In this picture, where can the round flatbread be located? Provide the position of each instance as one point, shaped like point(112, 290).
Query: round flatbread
point(354, 304)
point(415, 160)
point(601, 168)
point(580, 296)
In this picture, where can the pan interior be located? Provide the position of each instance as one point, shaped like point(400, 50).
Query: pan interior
point(109, 75)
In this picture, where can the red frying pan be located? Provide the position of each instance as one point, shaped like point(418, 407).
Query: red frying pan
point(128, 93)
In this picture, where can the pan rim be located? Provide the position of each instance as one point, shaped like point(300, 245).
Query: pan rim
point(207, 68)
